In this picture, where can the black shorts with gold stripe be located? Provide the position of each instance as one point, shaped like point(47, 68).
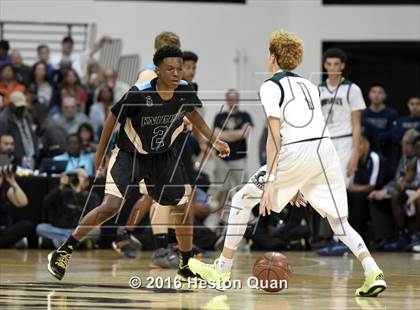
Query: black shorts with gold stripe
point(162, 173)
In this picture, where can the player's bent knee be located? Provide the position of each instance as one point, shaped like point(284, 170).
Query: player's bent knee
point(247, 197)
point(337, 224)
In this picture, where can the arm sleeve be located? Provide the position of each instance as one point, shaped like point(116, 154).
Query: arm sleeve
point(356, 98)
point(270, 95)
point(120, 108)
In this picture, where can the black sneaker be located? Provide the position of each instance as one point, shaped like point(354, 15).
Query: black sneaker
point(184, 273)
point(57, 263)
point(126, 245)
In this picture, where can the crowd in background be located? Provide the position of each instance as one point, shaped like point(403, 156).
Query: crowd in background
point(53, 111)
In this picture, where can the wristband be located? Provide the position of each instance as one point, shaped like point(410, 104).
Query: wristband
point(270, 177)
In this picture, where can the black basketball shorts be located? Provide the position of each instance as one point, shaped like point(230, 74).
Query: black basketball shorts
point(162, 174)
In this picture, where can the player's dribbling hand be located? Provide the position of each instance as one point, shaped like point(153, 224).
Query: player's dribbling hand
point(222, 148)
point(298, 200)
point(267, 198)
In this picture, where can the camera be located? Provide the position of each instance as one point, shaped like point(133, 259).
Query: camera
point(8, 169)
point(73, 178)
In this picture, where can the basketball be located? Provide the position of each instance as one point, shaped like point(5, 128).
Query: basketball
point(272, 272)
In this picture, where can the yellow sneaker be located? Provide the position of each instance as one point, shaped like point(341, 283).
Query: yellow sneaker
point(208, 272)
point(374, 284)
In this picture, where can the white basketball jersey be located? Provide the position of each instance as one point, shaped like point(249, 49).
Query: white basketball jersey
point(337, 105)
point(295, 101)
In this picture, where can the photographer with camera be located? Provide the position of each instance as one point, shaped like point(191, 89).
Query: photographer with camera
point(63, 207)
point(12, 232)
point(75, 157)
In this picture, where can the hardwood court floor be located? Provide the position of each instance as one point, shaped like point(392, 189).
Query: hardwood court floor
point(99, 280)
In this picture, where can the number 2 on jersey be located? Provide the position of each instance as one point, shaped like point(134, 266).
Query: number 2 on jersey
point(157, 139)
point(307, 95)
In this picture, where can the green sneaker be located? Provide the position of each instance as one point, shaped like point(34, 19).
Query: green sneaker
point(374, 284)
point(208, 273)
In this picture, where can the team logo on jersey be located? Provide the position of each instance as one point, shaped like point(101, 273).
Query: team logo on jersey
point(259, 179)
point(333, 100)
point(149, 101)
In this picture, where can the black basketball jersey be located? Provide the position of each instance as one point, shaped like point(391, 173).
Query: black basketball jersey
point(150, 124)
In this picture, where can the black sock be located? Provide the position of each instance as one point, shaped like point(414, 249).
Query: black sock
point(161, 241)
point(70, 244)
point(171, 236)
point(124, 232)
point(184, 257)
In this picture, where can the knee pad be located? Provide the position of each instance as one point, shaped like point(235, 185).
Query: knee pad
point(247, 197)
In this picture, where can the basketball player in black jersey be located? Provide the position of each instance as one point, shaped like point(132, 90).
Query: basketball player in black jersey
point(151, 117)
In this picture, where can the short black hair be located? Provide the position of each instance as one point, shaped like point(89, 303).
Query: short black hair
point(40, 47)
point(165, 52)
point(189, 56)
point(335, 52)
point(377, 84)
point(73, 135)
point(67, 39)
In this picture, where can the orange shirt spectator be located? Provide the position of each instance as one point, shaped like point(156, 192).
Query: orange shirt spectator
point(8, 85)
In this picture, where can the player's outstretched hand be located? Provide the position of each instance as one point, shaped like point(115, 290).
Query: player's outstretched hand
point(267, 199)
point(298, 200)
point(222, 148)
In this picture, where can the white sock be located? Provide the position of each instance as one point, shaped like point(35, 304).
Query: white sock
point(369, 265)
point(224, 264)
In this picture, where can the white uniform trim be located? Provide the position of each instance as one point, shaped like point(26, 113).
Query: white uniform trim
point(375, 168)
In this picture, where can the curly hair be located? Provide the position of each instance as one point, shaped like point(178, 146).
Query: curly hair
point(167, 38)
point(287, 48)
point(165, 52)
